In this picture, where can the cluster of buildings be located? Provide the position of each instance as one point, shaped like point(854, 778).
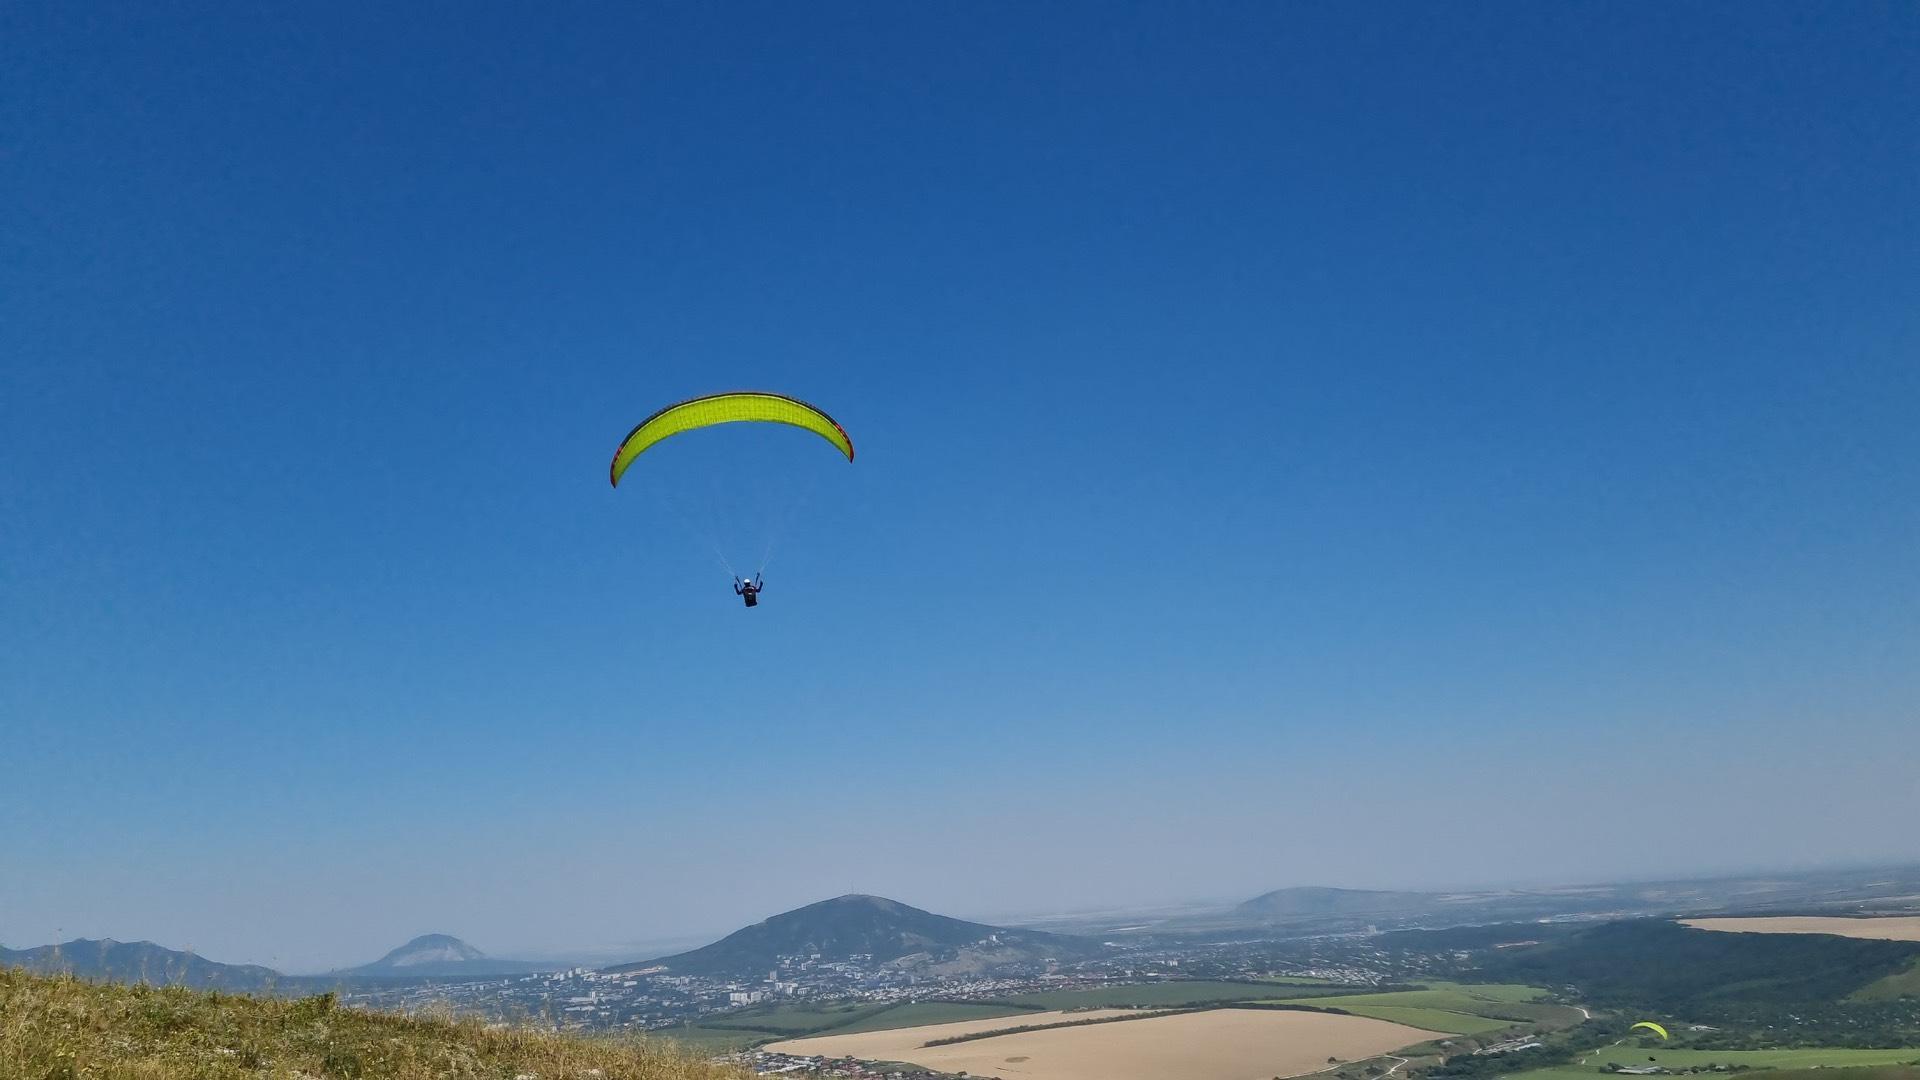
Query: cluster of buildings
point(762, 1063)
point(650, 999)
point(577, 999)
point(1510, 1046)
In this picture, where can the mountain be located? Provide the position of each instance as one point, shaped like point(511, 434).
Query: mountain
point(1860, 890)
point(879, 932)
point(1312, 901)
point(139, 961)
point(441, 956)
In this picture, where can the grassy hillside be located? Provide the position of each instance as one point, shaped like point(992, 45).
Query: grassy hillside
point(60, 1028)
point(1885, 1072)
point(1792, 1057)
point(1455, 1008)
point(1829, 1060)
point(1175, 993)
point(1900, 984)
point(1658, 965)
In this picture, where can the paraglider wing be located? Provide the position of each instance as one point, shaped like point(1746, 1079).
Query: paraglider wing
point(727, 409)
point(1651, 1026)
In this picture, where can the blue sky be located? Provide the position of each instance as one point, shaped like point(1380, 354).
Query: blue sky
point(1497, 422)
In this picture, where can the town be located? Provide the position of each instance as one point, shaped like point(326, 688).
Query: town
point(651, 999)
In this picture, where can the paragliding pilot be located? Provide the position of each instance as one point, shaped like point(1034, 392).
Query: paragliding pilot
point(749, 590)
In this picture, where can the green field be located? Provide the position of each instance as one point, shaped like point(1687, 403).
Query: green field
point(1448, 997)
point(1440, 1020)
point(1509, 992)
point(710, 1040)
point(1681, 1058)
point(1794, 1058)
point(1453, 1008)
point(1154, 994)
point(796, 1019)
point(930, 1012)
point(1539, 1012)
point(1862, 1072)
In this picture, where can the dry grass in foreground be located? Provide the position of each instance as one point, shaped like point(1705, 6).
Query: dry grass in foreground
point(60, 1028)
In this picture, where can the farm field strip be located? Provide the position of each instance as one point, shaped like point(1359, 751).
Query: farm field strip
point(891, 1044)
point(1885, 928)
point(1446, 1008)
point(1452, 1023)
point(1451, 1008)
point(1221, 1044)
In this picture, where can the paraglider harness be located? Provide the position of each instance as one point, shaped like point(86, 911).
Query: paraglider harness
point(749, 590)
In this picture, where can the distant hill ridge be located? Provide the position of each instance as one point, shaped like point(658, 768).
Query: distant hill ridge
point(105, 959)
point(1319, 900)
point(886, 931)
point(442, 955)
point(1860, 889)
point(431, 949)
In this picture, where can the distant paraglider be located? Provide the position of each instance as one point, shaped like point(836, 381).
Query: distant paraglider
point(744, 406)
point(749, 590)
point(1651, 1026)
point(750, 406)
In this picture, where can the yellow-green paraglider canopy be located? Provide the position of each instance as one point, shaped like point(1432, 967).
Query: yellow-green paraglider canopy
point(733, 408)
point(1651, 1026)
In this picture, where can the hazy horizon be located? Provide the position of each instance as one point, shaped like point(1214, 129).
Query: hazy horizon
point(1298, 444)
point(534, 942)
